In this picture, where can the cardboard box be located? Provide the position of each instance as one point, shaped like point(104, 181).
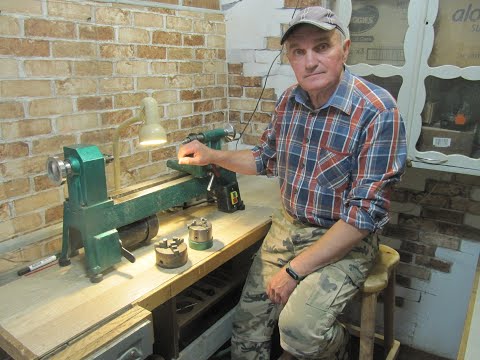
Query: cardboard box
point(446, 141)
point(457, 34)
point(377, 31)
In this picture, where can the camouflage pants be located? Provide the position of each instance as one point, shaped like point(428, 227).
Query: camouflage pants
point(307, 323)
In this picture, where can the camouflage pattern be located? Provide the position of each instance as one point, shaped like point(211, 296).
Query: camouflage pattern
point(307, 324)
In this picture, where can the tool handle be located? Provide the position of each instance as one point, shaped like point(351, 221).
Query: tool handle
point(127, 254)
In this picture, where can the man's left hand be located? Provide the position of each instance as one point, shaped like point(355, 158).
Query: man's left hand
point(280, 287)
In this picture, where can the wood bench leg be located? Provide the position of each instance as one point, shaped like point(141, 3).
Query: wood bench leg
point(388, 313)
point(367, 327)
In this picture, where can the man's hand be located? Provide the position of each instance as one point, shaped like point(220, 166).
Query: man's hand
point(195, 153)
point(280, 287)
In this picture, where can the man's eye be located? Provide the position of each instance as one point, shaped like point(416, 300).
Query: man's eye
point(297, 52)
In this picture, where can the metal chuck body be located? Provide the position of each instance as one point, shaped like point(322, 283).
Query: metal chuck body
point(171, 253)
point(200, 234)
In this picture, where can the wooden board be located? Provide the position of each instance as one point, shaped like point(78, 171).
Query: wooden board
point(41, 312)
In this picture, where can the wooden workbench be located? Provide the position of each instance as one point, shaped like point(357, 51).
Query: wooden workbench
point(59, 313)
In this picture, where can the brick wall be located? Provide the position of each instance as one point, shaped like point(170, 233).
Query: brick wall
point(71, 71)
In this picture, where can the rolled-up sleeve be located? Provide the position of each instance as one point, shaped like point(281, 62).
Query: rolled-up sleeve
point(378, 165)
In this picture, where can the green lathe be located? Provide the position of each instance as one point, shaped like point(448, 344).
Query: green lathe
point(108, 226)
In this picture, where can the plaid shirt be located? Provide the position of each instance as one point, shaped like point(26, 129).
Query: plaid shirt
point(336, 162)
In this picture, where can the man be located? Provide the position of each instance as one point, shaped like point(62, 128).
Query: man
point(337, 144)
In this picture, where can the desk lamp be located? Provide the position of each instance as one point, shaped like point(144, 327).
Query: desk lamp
point(151, 132)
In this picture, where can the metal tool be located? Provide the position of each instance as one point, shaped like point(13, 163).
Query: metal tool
point(200, 234)
point(222, 185)
point(171, 253)
point(94, 220)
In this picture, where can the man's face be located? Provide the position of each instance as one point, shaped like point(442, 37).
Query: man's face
point(317, 58)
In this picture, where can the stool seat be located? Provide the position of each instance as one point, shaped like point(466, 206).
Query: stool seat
point(377, 279)
point(380, 279)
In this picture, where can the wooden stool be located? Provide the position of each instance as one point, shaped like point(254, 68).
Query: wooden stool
point(381, 277)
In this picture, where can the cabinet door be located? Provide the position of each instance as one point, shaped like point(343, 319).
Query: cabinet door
point(445, 128)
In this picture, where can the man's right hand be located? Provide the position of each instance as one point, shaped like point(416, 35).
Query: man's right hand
point(195, 153)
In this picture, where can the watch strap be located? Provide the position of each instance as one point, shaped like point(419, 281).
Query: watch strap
point(293, 274)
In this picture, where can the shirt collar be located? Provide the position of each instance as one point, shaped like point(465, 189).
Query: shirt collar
point(341, 98)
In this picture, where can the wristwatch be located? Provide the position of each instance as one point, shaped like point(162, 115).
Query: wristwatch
point(293, 274)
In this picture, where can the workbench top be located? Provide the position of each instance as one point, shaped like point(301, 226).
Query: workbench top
point(42, 312)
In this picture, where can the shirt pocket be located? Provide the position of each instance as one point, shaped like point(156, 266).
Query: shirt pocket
point(333, 169)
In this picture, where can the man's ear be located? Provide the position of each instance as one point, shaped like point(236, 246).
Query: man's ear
point(346, 49)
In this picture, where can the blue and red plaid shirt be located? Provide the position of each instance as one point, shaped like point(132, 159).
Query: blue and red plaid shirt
point(336, 162)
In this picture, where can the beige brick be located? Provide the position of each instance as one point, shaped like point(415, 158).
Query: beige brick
point(22, 6)
point(11, 110)
point(220, 29)
point(6, 230)
point(53, 214)
point(116, 84)
point(117, 51)
point(75, 86)
point(164, 153)
point(14, 188)
point(93, 68)
point(52, 145)
point(218, 91)
point(115, 117)
point(148, 20)
point(273, 43)
point(218, 116)
point(109, 15)
point(27, 223)
point(242, 104)
point(190, 14)
point(193, 40)
point(221, 104)
point(204, 80)
point(175, 110)
point(47, 68)
point(235, 69)
point(134, 161)
point(191, 94)
point(129, 100)
point(179, 24)
point(190, 122)
point(164, 68)
point(151, 171)
point(155, 82)
point(19, 88)
point(9, 68)
point(9, 26)
point(73, 49)
point(179, 54)
point(190, 67)
point(246, 80)
point(221, 54)
point(203, 26)
point(69, 10)
point(4, 212)
point(235, 91)
point(103, 136)
point(24, 47)
point(48, 28)
point(151, 52)
point(99, 33)
point(215, 41)
point(25, 128)
point(94, 103)
point(132, 68)
point(66, 124)
point(203, 106)
point(52, 106)
point(167, 38)
point(23, 167)
point(204, 54)
point(207, 4)
point(268, 94)
point(133, 35)
point(13, 150)
point(214, 67)
point(165, 97)
point(215, 17)
point(179, 82)
point(267, 106)
point(221, 79)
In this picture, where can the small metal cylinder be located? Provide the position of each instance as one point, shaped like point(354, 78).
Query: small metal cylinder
point(171, 253)
point(200, 234)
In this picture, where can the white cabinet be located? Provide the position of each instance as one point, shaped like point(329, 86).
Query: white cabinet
point(427, 54)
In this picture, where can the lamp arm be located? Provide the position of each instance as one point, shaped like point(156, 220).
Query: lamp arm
point(116, 149)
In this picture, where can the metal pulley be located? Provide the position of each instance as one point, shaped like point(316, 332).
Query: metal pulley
point(57, 169)
point(200, 234)
point(171, 253)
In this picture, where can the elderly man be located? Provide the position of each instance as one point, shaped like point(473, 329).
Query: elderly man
point(337, 144)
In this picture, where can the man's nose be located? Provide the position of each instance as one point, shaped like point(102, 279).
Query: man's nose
point(310, 60)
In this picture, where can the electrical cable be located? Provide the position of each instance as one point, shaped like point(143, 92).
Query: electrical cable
point(263, 88)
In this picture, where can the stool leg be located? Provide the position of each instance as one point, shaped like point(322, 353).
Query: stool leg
point(367, 326)
point(388, 313)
